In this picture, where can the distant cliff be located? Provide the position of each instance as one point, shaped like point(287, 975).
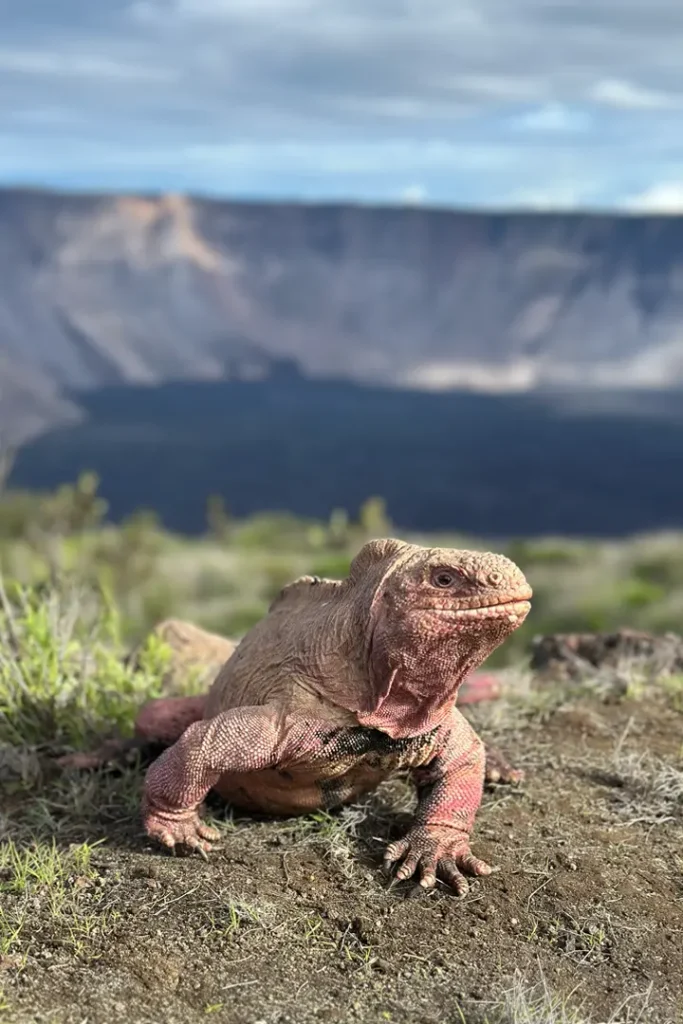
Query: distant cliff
point(475, 370)
point(106, 290)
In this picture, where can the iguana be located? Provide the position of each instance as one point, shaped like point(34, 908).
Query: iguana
point(340, 685)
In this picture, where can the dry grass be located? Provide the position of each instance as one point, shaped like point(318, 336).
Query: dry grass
point(652, 790)
point(524, 1003)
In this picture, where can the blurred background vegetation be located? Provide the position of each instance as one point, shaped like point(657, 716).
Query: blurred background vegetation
point(225, 578)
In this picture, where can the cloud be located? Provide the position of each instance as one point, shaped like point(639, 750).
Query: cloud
point(476, 100)
point(666, 197)
point(194, 10)
point(560, 195)
point(413, 195)
point(64, 65)
point(353, 158)
point(626, 96)
point(552, 117)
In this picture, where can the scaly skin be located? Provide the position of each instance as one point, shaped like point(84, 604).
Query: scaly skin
point(162, 721)
point(342, 684)
point(449, 790)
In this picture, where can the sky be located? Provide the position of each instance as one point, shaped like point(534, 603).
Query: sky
point(541, 104)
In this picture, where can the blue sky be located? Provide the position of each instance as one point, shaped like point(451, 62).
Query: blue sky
point(522, 103)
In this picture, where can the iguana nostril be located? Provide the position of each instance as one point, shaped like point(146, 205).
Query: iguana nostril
point(495, 578)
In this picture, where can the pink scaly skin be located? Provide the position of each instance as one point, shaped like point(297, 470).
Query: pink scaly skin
point(242, 740)
point(449, 793)
point(448, 772)
point(163, 721)
point(343, 684)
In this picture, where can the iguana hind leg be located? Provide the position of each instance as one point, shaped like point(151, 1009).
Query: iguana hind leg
point(159, 724)
point(478, 687)
point(165, 720)
point(498, 769)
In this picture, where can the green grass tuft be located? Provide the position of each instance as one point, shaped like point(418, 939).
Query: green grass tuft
point(62, 678)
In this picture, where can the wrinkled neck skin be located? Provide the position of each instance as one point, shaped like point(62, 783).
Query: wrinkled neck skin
point(398, 667)
point(416, 661)
point(389, 651)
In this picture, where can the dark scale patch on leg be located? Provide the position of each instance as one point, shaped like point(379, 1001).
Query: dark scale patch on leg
point(336, 792)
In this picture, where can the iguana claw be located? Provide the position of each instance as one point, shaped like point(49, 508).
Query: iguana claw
point(179, 828)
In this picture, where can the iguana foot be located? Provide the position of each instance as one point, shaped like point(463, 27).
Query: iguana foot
point(498, 769)
point(436, 850)
point(178, 828)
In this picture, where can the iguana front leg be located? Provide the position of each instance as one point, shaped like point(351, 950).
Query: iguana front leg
point(245, 739)
point(449, 794)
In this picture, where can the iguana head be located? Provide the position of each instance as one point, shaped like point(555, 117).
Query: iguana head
point(433, 615)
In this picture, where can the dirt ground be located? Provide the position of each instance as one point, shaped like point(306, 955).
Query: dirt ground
point(293, 922)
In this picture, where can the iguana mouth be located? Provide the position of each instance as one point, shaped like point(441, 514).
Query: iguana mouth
point(510, 609)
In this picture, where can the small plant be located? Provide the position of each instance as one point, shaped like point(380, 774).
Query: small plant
point(235, 916)
point(43, 889)
point(333, 833)
point(673, 688)
point(373, 518)
point(62, 677)
point(334, 566)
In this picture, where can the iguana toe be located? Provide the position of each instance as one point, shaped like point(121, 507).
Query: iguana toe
point(179, 828)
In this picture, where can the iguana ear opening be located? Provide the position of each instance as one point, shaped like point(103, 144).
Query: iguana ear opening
point(374, 553)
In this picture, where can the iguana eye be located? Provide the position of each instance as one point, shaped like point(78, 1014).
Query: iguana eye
point(444, 578)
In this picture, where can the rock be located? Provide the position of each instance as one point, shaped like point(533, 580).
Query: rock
point(573, 655)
